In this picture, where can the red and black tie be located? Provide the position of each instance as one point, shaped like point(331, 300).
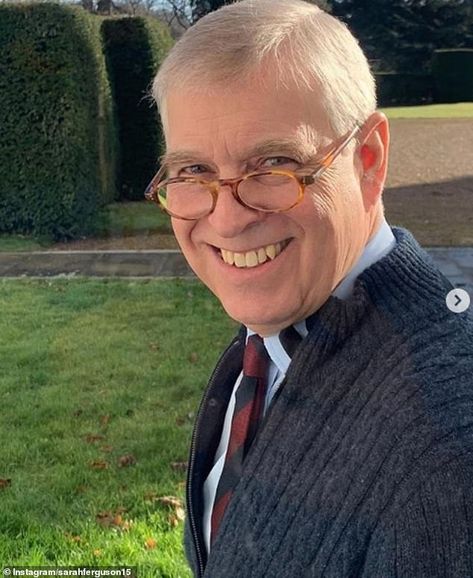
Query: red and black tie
point(249, 406)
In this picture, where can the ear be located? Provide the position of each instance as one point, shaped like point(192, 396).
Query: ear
point(373, 151)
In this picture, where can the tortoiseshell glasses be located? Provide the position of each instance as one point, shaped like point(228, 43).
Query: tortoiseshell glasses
point(272, 191)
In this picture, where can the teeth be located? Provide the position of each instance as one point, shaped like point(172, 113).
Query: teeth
point(261, 255)
point(240, 260)
point(271, 251)
point(228, 257)
point(252, 258)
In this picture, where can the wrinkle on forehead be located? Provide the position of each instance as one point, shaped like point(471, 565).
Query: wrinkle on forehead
point(303, 146)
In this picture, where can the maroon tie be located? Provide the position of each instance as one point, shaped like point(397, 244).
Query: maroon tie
point(248, 412)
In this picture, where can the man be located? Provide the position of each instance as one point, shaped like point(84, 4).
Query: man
point(335, 436)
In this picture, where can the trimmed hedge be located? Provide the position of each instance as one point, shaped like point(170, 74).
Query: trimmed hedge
point(399, 89)
point(135, 48)
point(453, 75)
point(57, 143)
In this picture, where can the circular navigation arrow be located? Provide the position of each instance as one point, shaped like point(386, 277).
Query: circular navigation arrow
point(458, 300)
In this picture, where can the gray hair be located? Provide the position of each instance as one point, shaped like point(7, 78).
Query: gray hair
point(310, 48)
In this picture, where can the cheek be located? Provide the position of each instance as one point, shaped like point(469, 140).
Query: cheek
point(338, 200)
point(325, 199)
point(182, 231)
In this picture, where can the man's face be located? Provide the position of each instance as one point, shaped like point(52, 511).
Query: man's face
point(308, 249)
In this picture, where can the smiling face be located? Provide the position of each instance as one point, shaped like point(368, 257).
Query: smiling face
point(269, 270)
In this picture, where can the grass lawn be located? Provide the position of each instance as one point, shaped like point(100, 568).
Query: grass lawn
point(99, 391)
point(118, 220)
point(125, 219)
point(457, 110)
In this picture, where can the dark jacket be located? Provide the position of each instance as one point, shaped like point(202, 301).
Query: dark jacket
point(363, 467)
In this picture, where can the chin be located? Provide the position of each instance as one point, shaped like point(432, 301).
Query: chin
point(258, 316)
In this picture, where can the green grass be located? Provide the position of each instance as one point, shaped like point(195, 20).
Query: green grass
point(93, 371)
point(23, 243)
point(457, 110)
point(116, 220)
point(124, 219)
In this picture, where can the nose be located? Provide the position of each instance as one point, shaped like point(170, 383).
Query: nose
point(230, 217)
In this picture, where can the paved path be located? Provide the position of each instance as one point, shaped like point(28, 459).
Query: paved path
point(455, 262)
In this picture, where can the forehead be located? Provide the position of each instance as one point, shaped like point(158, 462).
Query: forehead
point(233, 120)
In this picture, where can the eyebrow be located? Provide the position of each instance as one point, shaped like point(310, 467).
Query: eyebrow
point(296, 147)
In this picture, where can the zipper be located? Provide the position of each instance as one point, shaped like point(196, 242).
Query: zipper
point(192, 521)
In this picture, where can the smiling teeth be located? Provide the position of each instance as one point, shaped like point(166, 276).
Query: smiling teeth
point(252, 258)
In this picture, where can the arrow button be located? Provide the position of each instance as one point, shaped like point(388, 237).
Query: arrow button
point(458, 300)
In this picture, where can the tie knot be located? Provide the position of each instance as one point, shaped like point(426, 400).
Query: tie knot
point(255, 358)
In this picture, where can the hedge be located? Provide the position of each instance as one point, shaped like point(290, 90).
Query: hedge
point(135, 47)
point(453, 75)
point(400, 89)
point(57, 143)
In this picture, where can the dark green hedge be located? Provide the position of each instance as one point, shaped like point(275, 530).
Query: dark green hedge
point(402, 89)
point(56, 133)
point(135, 47)
point(453, 75)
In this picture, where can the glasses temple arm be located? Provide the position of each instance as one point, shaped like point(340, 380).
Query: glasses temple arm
point(332, 155)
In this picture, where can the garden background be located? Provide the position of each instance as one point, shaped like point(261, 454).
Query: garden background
point(97, 387)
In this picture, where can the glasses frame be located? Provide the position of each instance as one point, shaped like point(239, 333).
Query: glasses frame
point(151, 192)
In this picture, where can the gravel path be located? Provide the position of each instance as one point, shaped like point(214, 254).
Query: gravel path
point(430, 151)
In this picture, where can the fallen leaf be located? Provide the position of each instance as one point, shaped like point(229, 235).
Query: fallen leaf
point(105, 519)
point(126, 461)
point(178, 514)
point(107, 449)
point(99, 465)
point(92, 438)
point(104, 419)
point(170, 501)
point(150, 543)
point(173, 520)
point(193, 357)
point(179, 466)
point(113, 519)
point(117, 520)
point(5, 483)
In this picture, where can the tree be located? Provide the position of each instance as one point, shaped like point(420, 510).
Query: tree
point(193, 10)
point(403, 34)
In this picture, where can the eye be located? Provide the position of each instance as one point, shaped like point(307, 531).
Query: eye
point(196, 170)
point(280, 162)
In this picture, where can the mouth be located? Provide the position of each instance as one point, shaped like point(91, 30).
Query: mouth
point(254, 257)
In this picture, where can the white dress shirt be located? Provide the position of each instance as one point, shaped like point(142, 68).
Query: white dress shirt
point(379, 246)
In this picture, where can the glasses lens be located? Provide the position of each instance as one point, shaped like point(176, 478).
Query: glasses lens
point(269, 191)
point(186, 199)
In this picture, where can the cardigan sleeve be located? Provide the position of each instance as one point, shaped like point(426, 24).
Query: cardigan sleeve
point(431, 534)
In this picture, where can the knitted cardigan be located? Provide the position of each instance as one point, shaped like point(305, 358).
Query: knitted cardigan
point(363, 467)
